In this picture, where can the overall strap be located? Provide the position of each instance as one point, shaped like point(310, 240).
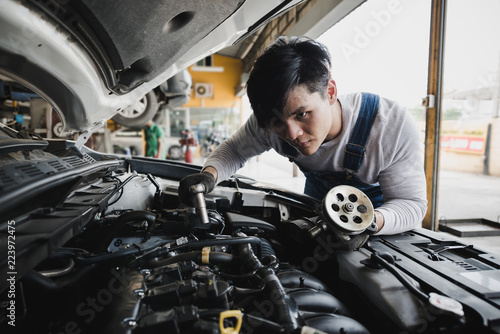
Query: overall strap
point(355, 149)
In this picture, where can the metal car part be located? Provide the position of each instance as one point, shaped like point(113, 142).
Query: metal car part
point(347, 209)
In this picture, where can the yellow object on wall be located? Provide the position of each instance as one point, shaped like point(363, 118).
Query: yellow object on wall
point(224, 75)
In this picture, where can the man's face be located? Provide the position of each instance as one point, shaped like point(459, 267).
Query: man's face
point(309, 119)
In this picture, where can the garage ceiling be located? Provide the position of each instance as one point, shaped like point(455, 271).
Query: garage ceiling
point(310, 18)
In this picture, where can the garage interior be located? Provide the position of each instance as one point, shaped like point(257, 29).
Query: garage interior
point(463, 196)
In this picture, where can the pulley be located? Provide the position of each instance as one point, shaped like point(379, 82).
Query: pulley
point(347, 209)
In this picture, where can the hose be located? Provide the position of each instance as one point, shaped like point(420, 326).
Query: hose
point(60, 271)
point(198, 244)
point(37, 280)
point(196, 256)
point(284, 312)
point(384, 263)
point(228, 242)
point(120, 187)
point(266, 249)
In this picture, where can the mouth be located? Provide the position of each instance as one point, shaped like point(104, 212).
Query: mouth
point(302, 144)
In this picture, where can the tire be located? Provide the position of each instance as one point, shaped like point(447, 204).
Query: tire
point(138, 114)
point(175, 152)
point(159, 116)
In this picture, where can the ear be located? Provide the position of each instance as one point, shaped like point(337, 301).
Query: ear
point(331, 91)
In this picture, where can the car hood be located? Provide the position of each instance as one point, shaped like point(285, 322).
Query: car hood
point(90, 59)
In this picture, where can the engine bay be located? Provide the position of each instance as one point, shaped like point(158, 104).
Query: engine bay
point(118, 253)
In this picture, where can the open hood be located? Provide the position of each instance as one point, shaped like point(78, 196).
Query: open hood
point(90, 59)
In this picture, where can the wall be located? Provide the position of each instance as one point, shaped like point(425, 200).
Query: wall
point(224, 84)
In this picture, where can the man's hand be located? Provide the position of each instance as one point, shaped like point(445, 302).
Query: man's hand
point(333, 241)
point(205, 178)
point(355, 242)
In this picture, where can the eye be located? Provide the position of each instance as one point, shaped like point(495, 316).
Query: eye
point(302, 114)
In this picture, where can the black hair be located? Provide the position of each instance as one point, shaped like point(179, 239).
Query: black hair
point(286, 63)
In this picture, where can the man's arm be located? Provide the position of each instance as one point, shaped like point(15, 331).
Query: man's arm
point(211, 170)
point(234, 152)
point(158, 153)
point(227, 158)
point(403, 181)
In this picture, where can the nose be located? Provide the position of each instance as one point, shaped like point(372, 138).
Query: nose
point(293, 130)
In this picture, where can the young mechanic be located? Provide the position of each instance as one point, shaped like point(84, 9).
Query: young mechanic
point(361, 139)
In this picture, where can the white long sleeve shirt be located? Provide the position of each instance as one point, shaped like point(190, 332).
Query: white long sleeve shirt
point(393, 158)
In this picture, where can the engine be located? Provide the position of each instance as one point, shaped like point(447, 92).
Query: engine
point(151, 265)
point(120, 254)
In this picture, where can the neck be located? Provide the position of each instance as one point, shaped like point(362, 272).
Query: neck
point(336, 128)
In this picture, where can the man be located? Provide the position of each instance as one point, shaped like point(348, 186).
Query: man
point(152, 140)
point(359, 139)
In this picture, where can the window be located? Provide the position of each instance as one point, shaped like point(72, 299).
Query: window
point(207, 61)
point(469, 144)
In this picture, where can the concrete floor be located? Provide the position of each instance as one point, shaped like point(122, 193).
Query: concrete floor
point(461, 196)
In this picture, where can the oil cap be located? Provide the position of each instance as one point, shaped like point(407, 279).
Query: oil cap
point(442, 304)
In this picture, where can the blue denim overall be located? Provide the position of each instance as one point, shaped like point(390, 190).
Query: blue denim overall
point(319, 183)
